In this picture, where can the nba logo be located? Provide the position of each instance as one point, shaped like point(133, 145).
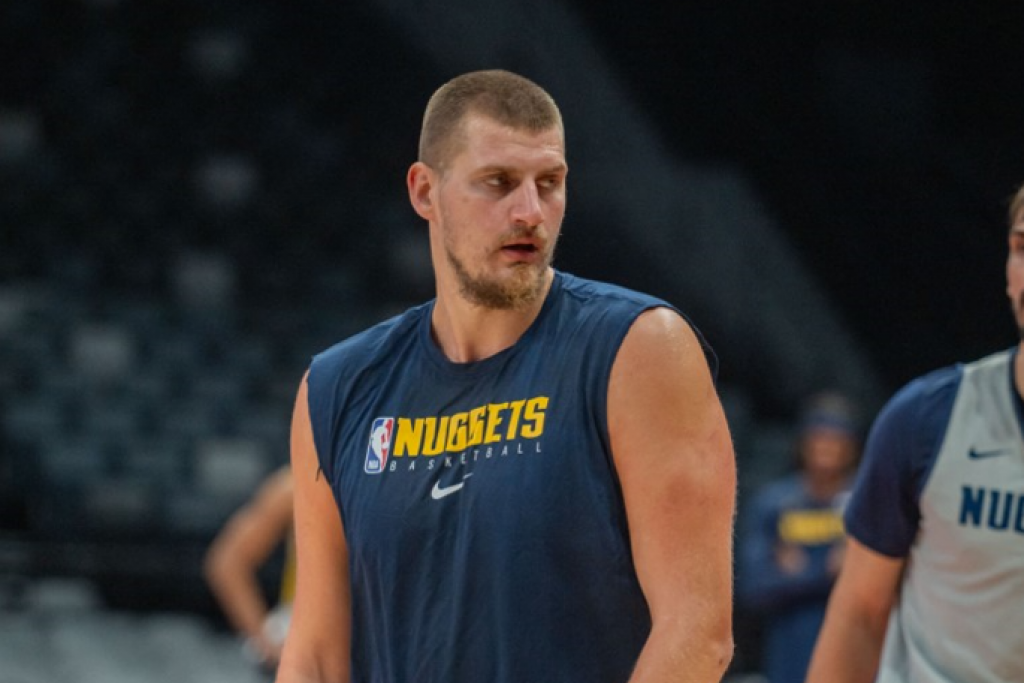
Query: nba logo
point(380, 445)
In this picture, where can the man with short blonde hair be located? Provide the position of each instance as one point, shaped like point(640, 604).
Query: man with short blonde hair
point(530, 477)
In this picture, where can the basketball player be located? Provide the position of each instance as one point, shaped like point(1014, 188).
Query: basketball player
point(528, 478)
point(932, 584)
point(235, 557)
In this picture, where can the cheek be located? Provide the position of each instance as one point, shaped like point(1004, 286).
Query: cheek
point(555, 214)
point(557, 206)
point(1014, 277)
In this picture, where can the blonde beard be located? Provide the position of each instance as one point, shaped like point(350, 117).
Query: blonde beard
point(514, 293)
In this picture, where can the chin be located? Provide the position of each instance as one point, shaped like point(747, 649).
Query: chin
point(519, 290)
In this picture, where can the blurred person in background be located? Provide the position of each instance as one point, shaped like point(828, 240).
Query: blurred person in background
point(234, 560)
point(530, 477)
point(932, 585)
point(792, 539)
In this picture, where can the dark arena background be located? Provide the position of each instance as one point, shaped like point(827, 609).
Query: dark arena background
point(195, 196)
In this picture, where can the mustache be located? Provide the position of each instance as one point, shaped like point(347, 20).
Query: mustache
point(521, 232)
point(537, 233)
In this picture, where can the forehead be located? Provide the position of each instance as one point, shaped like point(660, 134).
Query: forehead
point(487, 142)
point(1017, 229)
point(823, 434)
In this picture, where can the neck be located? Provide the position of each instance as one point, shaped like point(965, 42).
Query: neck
point(467, 332)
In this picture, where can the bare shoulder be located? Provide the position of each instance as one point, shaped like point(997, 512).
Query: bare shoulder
point(664, 333)
point(663, 405)
point(662, 356)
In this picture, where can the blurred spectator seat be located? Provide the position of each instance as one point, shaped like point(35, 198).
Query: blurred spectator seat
point(155, 460)
point(102, 352)
point(204, 281)
point(120, 505)
point(72, 461)
point(28, 420)
point(217, 55)
point(229, 467)
point(226, 182)
point(189, 419)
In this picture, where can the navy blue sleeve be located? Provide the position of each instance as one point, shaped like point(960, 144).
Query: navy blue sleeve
point(901, 448)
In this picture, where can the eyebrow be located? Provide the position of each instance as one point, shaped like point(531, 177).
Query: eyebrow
point(499, 168)
point(561, 167)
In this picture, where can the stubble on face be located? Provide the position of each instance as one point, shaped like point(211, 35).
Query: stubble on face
point(522, 287)
point(485, 276)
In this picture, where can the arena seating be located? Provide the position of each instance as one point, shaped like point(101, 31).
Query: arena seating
point(194, 203)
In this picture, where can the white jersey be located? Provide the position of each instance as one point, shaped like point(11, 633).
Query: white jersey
point(959, 617)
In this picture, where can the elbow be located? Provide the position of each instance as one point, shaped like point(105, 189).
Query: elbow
point(216, 567)
point(720, 642)
point(711, 659)
point(720, 652)
point(720, 645)
point(707, 651)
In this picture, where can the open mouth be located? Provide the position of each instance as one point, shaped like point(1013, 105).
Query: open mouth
point(520, 248)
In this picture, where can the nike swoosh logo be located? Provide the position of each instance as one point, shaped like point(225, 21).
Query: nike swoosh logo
point(979, 455)
point(439, 492)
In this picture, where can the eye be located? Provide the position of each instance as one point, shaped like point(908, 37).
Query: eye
point(550, 182)
point(497, 181)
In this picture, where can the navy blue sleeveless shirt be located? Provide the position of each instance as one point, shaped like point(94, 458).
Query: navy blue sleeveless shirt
point(485, 525)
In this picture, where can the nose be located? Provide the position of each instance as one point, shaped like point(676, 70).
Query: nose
point(526, 207)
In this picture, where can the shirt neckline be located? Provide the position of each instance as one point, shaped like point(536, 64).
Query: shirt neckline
point(437, 358)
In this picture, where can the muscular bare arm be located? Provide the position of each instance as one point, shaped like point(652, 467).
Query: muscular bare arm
point(318, 644)
point(674, 457)
point(850, 642)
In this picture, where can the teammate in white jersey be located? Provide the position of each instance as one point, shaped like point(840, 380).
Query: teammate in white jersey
point(932, 584)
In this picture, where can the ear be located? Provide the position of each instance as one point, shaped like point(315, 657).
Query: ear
point(421, 181)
